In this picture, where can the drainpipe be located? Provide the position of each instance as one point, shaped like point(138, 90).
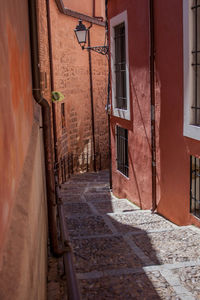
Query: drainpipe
point(46, 114)
point(52, 87)
point(94, 8)
point(92, 99)
point(108, 106)
point(94, 12)
point(152, 95)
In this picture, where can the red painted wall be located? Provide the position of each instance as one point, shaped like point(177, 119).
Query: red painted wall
point(137, 187)
point(16, 112)
point(173, 149)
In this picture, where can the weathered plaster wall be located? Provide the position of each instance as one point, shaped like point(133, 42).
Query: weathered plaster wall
point(86, 7)
point(23, 232)
point(175, 150)
point(137, 187)
point(71, 77)
point(16, 107)
point(24, 259)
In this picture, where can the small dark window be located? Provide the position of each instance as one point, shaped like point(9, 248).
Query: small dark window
point(120, 67)
point(122, 150)
point(63, 115)
point(195, 186)
point(196, 63)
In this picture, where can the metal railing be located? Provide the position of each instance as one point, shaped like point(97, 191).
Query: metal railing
point(71, 164)
point(195, 186)
point(122, 150)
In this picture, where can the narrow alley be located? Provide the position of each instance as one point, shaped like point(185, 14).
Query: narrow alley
point(90, 86)
point(122, 252)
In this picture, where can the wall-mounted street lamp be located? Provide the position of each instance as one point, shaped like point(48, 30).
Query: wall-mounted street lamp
point(81, 34)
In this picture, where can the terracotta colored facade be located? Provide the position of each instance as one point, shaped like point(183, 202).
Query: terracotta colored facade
point(23, 197)
point(72, 78)
point(138, 186)
point(23, 212)
point(173, 150)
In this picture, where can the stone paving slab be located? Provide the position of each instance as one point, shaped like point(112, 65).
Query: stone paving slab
point(73, 209)
point(73, 198)
point(97, 254)
point(122, 252)
point(114, 206)
point(82, 226)
point(139, 220)
point(179, 245)
point(143, 286)
point(190, 279)
point(74, 188)
point(98, 197)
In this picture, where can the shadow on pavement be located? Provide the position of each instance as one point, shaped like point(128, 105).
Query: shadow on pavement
point(107, 234)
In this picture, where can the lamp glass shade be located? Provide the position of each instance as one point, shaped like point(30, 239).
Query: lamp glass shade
point(81, 33)
point(81, 36)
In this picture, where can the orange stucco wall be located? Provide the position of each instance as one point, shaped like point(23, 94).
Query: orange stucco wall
point(137, 187)
point(87, 7)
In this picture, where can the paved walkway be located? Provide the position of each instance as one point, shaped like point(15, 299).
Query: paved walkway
point(122, 252)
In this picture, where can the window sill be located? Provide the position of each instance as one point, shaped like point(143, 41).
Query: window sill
point(192, 132)
point(123, 175)
point(120, 113)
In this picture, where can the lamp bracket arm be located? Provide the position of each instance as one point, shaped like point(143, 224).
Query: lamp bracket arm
point(99, 49)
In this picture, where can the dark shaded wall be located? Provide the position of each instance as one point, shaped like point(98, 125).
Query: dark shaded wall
point(16, 103)
point(23, 229)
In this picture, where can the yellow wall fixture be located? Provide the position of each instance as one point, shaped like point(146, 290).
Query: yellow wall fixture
point(57, 96)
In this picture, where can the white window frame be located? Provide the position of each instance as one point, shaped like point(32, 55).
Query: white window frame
point(117, 20)
point(189, 130)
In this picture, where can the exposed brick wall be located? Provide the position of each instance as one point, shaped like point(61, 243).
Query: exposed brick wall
point(71, 77)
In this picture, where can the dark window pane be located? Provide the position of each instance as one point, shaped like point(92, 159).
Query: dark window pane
point(196, 63)
point(120, 66)
point(195, 186)
point(122, 150)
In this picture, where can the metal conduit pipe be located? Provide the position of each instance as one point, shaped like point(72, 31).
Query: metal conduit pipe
point(92, 99)
point(108, 99)
point(46, 114)
point(52, 86)
point(152, 95)
point(94, 9)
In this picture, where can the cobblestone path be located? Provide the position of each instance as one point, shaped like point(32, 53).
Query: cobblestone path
point(122, 252)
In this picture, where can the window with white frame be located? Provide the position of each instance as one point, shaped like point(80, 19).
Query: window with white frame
point(191, 43)
point(119, 66)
